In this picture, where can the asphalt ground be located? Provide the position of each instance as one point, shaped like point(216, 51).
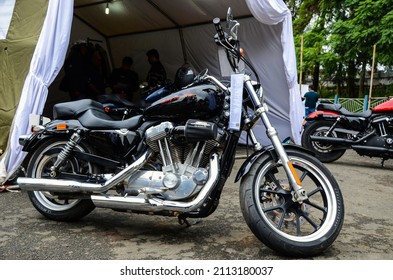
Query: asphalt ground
point(367, 233)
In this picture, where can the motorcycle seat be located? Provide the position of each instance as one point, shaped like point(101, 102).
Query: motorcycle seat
point(339, 108)
point(73, 109)
point(98, 119)
point(91, 115)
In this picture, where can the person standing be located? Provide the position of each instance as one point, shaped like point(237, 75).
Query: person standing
point(157, 74)
point(311, 98)
point(123, 80)
point(95, 77)
point(76, 67)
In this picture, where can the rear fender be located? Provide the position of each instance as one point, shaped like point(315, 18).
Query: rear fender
point(320, 115)
point(52, 129)
point(269, 151)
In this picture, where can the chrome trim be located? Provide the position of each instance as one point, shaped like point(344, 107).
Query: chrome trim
point(143, 203)
point(56, 185)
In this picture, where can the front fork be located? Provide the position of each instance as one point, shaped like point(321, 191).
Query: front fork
point(299, 194)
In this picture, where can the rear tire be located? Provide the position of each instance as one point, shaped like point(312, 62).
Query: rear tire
point(291, 228)
point(323, 151)
point(47, 203)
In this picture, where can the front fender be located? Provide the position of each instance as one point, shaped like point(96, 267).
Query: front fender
point(246, 166)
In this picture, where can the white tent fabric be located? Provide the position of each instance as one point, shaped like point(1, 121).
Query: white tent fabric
point(272, 13)
point(7, 6)
point(268, 43)
point(47, 61)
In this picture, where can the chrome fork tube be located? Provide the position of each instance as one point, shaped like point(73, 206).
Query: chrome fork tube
point(294, 180)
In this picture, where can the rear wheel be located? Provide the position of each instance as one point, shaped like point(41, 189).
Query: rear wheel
point(325, 152)
point(59, 207)
point(293, 229)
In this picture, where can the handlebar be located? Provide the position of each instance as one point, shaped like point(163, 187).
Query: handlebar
point(217, 25)
point(229, 41)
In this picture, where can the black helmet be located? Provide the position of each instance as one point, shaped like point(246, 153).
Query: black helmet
point(184, 76)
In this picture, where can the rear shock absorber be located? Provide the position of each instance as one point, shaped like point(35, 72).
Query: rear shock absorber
point(65, 153)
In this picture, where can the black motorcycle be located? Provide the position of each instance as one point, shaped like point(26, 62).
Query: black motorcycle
point(175, 158)
point(332, 130)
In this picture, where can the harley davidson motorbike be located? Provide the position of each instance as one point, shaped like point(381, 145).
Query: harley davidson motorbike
point(331, 130)
point(175, 158)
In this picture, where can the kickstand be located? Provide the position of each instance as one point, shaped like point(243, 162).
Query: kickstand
point(183, 221)
point(383, 162)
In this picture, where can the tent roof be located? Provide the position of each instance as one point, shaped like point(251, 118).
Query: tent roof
point(136, 16)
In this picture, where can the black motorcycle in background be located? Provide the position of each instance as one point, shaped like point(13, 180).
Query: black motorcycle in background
point(174, 160)
point(332, 130)
point(120, 108)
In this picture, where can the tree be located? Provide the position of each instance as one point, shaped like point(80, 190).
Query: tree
point(339, 38)
point(310, 20)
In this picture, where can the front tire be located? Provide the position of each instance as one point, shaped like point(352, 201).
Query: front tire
point(288, 227)
point(54, 206)
point(325, 152)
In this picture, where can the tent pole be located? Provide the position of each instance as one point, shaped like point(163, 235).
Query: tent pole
point(372, 77)
point(301, 64)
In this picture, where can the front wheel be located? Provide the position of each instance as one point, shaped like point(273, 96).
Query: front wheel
point(57, 206)
point(291, 228)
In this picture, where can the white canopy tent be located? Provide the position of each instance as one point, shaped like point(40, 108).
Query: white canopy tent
point(46, 63)
point(267, 39)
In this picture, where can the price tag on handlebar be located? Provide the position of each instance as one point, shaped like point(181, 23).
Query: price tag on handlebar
point(236, 101)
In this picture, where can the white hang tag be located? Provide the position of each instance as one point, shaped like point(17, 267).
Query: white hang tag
point(235, 110)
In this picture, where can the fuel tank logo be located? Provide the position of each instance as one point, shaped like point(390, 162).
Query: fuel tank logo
point(177, 97)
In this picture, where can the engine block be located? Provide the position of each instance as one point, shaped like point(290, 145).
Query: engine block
point(184, 168)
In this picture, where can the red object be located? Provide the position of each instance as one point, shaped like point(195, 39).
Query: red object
point(386, 106)
point(322, 112)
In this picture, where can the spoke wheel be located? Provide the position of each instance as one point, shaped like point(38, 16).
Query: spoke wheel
point(285, 225)
point(55, 206)
point(325, 152)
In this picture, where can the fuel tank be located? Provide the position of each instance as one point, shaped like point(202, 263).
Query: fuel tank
point(199, 102)
point(384, 107)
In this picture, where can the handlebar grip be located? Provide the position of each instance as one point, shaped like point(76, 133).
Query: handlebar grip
point(217, 25)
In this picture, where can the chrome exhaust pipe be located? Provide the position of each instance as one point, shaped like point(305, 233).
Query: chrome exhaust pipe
point(154, 204)
point(56, 185)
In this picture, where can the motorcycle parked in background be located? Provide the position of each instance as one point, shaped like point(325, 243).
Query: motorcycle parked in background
point(175, 158)
point(332, 130)
point(120, 108)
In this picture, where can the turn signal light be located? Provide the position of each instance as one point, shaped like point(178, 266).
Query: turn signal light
point(61, 126)
point(36, 129)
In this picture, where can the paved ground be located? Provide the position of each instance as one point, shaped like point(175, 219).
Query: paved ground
point(367, 233)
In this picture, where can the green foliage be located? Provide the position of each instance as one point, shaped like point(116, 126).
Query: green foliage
point(386, 41)
point(339, 36)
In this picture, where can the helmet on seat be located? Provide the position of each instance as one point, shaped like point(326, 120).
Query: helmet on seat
point(184, 76)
